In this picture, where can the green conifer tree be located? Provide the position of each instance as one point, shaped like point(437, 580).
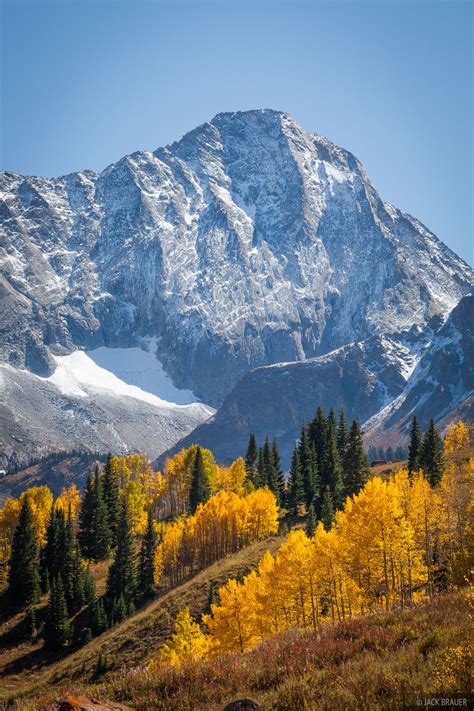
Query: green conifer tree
point(310, 522)
point(327, 509)
point(86, 519)
point(414, 448)
point(100, 523)
point(251, 459)
point(89, 587)
point(274, 474)
point(431, 455)
point(333, 471)
point(122, 572)
point(24, 575)
point(147, 559)
point(308, 467)
point(112, 499)
point(342, 434)
point(260, 476)
point(54, 551)
point(356, 465)
point(267, 463)
point(317, 432)
point(57, 632)
point(100, 622)
point(296, 493)
point(200, 490)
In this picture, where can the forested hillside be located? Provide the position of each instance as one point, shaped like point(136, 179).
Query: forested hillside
point(139, 542)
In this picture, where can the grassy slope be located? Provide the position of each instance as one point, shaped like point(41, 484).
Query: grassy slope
point(383, 661)
point(25, 667)
point(373, 662)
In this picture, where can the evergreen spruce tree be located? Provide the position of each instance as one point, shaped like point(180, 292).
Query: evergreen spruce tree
point(317, 432)
point(296, 492)
point(327, 509)
point(200, 490)
point(147, 559)
point(86, 519)
point(267, 463)
point(333, 472)
point(308, 467)
point(431, 455)
point(331, 424)
point(274, 474)
point(57, 629)
point(261, 481)
point(31, 621)
point(251, 459)
point(112, 499)
point(414, 448)
point(122, 572)
point(71, 568)
point(356, 465)
point(54, 551)
point(310, 522)
point(120, 610)
point(100, 523)
point(89, 587)
point(342, 434)
point(24, 576)
point(100, 622)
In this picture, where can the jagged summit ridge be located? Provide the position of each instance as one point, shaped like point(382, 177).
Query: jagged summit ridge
point(248, 242)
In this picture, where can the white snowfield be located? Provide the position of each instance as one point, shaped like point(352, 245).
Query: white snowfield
point(78, 374)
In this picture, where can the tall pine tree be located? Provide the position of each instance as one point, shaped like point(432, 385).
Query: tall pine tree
point(342, 434)
point(308, 467)
point(296, 492)
point(333, 472)
point(86, 518)
point(251, 459)
point(112, 499)
point(24, 576)
point(327, 509)
point(147, 559)
point(310, 522)
point(122, 572)
point(260, 481)
point(100, 523)
point(431, 455)
point(57, 631)
point(414, 448)
point(317, 431)
point(356, 465)
point(200, 490)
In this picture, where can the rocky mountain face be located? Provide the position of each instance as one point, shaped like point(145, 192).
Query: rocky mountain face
point(378, 380)
point(247, 243)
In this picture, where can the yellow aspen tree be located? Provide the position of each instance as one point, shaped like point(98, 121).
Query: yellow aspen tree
point(9, 514)
point(41, 501)
point(269, 597)
point(136, 500)
point(232, 625)
point(424, 516)
point(262, 515)
point(158, 564)
point(458, 437)
point(187, 645)
point(456, 494)
point(69, 500)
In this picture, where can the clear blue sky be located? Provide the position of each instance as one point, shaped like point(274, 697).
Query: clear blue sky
point(84, 83)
